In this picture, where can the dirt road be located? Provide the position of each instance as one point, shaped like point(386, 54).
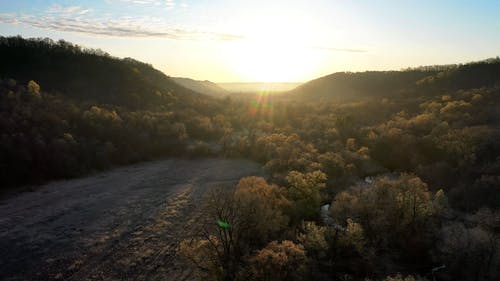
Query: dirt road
point(121, 225)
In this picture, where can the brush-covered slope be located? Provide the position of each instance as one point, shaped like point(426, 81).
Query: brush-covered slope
point(205, 87)
point(421, 80)
point(91, 75)
point(351, 86)
point(473, 75)
point(66, 111)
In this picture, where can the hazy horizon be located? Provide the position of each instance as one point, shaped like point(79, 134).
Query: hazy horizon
point(250, 87)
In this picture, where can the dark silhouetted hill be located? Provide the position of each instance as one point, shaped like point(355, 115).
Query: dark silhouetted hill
point(473, 75)
point(205, 87)
point(90, 75)
point(421, 80)
point(66, 111)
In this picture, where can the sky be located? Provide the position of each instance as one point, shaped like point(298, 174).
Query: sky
point(266, 41)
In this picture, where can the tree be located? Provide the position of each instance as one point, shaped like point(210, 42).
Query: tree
point(262, 206)
point(201, 253)
point(314, 239)
point(278, 261)
point(33, 89)
point(332, 163)
point(395, 213)
point(248, 216)
point(283, 153)
point(353, 238)
point(471, 250)
point(218, 248)
point(305, 192)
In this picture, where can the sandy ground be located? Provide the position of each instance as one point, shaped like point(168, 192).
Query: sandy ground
point(120, 225)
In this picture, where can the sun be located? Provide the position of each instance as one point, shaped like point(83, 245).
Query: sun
point(271, 60)
point(256, 61)
point(272, 53)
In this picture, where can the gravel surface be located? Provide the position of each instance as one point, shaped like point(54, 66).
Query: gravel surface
point(124, 224)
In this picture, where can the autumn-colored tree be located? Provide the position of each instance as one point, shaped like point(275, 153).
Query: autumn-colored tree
point(236, 221)
point(305, 192)
point(314, 239)
point(218, 249)
point(278, 261)
point(262, 206)
point(393, 212)
point(332, 164)
point(283, 153)
point(353, 238)
point(33, 88)
point(201, 253)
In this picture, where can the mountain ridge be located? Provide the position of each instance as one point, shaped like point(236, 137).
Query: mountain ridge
point(421, 80)
point(89, 74)
point(201, 86)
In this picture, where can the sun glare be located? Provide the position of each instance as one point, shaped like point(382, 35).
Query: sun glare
point(275, 50)
point(268, 62)
point(262, 105)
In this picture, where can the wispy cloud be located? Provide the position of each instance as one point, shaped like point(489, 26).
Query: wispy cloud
point(141, 2)
point(80, 20)
point(169, 4)
point(346, 50)
point(69, 10)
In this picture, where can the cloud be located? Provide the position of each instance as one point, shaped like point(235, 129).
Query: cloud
point(58, 9)
point(9, 19)
point(140, 2)
point(168, 3)
point(80, 20)
point(346, 50)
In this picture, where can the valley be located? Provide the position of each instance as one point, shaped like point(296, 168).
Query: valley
point(124, 224)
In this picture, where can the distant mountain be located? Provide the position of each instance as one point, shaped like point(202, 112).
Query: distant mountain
point(354, 85)
point(90, 75)
point(204, 87)
point(253, 87)
point(422, 80)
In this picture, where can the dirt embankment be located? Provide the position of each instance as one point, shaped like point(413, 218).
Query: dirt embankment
point(121, 225)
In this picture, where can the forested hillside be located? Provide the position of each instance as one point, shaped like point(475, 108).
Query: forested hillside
point(205, 87)
point(65, 111)
point(350, 86)
point(90, 75)
point(408, 161)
